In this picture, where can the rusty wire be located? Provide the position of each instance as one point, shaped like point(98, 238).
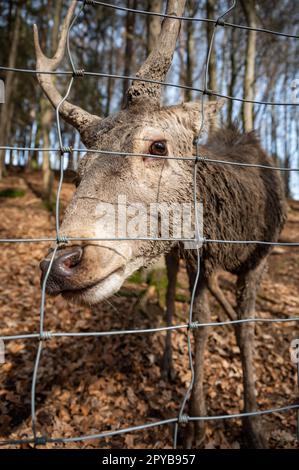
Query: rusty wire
point(44, 335)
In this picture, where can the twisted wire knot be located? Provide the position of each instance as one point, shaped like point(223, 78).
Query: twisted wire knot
point(78, 73)
point(40, 441)
point(193, 325)
point(220, 22)
point(183, 419)
point(199, 158)
point(206, 91)
point(61, 239)
point(45, 335)
point(66, 149)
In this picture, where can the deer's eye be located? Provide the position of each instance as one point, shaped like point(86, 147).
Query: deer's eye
point(158, 148)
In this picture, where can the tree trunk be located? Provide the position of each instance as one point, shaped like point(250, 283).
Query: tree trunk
point(47, 116)
point(9, 117)
point(248, 112)
point(189, 58)
point(286, 174)
point(274, 151)
point(46, 123)
point(110, 81)
point(36, 144)
point(233, 73)
point(153, 24)
point(5, 115)
point(287, 136)
point(129, 50)
point(212, 69)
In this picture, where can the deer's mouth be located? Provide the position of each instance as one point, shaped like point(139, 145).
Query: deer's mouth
point(96, 291)
point(88, 274)
point(104, 288)
point(85, 274)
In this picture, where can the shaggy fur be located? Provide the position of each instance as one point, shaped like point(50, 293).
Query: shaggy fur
point(240, 203)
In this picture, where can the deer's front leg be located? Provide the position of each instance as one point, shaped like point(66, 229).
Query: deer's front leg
point(172, 266)
point(195, 432)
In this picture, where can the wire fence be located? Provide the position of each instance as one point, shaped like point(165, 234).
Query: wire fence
point(42, 336)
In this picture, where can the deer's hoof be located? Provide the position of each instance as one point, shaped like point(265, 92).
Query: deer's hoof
point(253, 435)
point(194, 435)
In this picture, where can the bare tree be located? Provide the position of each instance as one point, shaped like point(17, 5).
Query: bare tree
point(7, 108)
point(129, 49)
point(212, 66)
point(249, 8)
point(189, 69)
point(109, 88)
point(153, 24)
point(286, 140)
point(212, 70)
point(46, 120)
point(233, 71)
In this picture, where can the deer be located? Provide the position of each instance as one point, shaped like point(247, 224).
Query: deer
point(239, 203)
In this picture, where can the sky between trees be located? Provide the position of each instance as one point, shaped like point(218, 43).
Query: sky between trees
point(116, 42)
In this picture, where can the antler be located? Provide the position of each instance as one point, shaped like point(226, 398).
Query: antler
point(74, 115)
point(159, 61)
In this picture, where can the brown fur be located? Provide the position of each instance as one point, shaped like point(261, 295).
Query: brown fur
point(240, 203)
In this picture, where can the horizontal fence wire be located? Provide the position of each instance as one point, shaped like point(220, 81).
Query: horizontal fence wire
point(44, 335)
point(148, 155)
point(43, 440)
point(194, 325)
point(202, 91)
point(156, 239)
point(192, 19)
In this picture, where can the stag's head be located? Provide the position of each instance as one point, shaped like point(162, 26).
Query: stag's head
point(89, 271)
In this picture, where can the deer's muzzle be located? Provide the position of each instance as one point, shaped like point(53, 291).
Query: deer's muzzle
point(62, 271)
point(76, 270)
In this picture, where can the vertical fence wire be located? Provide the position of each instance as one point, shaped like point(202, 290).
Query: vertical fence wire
point(184, 418)
point(44, 336)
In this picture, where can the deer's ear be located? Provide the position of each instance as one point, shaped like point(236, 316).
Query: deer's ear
point(193, 114)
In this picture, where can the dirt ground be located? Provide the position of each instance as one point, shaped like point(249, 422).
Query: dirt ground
point(92, 385)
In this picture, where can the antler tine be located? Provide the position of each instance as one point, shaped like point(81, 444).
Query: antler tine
point(159, 61)
point(74, 115)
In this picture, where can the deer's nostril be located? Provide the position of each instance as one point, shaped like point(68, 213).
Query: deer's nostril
point(72, 259)
point(63, 269)
point(64, 262)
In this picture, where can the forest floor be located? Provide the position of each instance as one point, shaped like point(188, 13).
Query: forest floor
point(92, 385)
